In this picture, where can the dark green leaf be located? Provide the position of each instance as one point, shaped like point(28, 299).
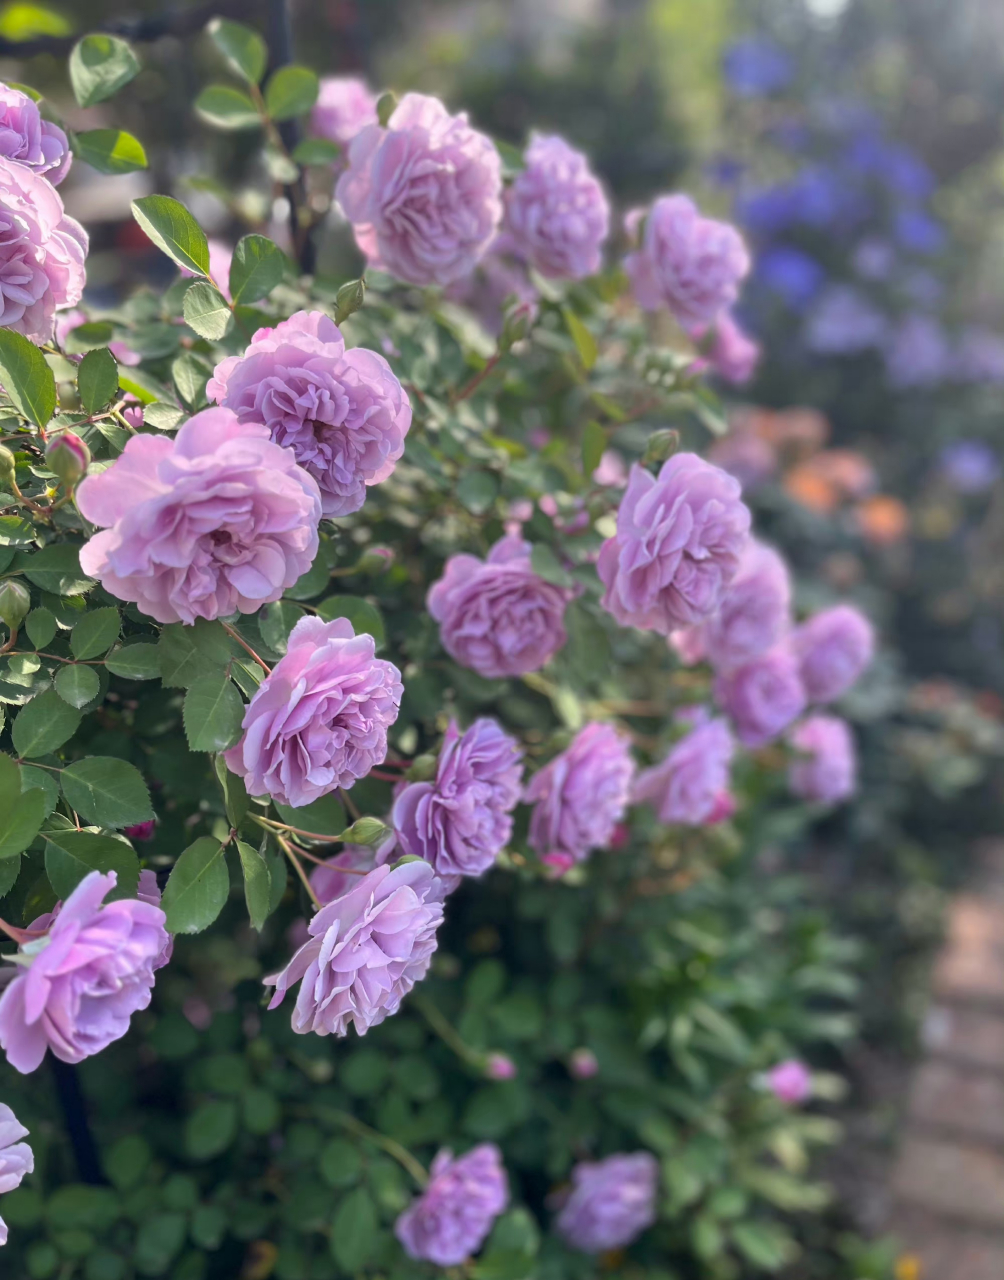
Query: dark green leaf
point(186, 653)
point(340, 1163)
point(313, 582)
point(100, 65)
point(77, 685)
point(212, 714)
point(764, 1244)
point(10, 869)
point(165, 417)
point(110, 150)
point(174, 231)
point(135, 662)
point(290, 92)
point(363, 615)
point(107, 791)
point(197, 888)
point(354, 1230)
point(21, 812)
point(235, 796)
point(594, 441)
point(257, 883)
point(477, 490)
point(71, 855)
point(95, 633)
point(210, 1128)
point(386, 106)
point(255, 269)
point(44, 724)
point(40, 625)
point(206, 310)
point(159, 1240)
point(16, 531)
point(27, 378)
point(35, 778)
point(320, 151)
point(547, 566)
point(243, 48)
point(190, 376)
point(225, 107)
point(585, 343)
point(97, 379)
point(326, 816)
point(127, 1160)
point(56, 568)
point(86, 337)
point(276, 621)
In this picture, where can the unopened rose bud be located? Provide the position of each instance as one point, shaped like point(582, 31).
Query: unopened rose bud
point(14, 602)
point(422, 768)
point(67, 457)
point(661, 445)
point(349, 298)
point(517, 323)
point(498, 1066)
point(375, 560)
point(582, 1063)
point(386, 106)
point(8, 466)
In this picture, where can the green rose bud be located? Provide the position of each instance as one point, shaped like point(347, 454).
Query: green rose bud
point(349, 298)
point(8, 466)
point(14, 602)
point(67, 457)
point(661, 445)
point(375, 560)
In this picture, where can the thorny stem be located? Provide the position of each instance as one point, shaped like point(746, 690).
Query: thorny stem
point(244, 645)
point(401, 1154)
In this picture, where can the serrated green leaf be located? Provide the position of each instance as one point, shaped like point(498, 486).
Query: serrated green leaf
point(354, 1230)
point(235, 796)
point(40, 625)
point(212, 713)
point(44, 724)
point(27, 378)
point(174, 231)
point(162, 416)
point(363, 615)
point(88, 336)
point(256, 268)
point(100, 65)
point(71, 855)
point(97, 379)
point(77, 685)
point(135, 662)
point(197, 887)
point(206, 310)
point(325, 816)
point(291, 91)
point(225, 107)
point(107, 791)
point(21, 812)
point(243, 48)
point(95, 633)
point(55, 568)
point(257, 883)
point(190, 376)
point(110, 150)
point(16, 531)
point(186, 653)
point(276, 621)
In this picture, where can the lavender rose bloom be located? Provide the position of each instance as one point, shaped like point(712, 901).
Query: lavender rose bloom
point(763, 696)
point(580, 797)
point(496, 615)
point(734, 354)
point(452, 1217)
point(690, 264)
point(755, 610)
point(16, 1157)
point(679, 540)
point(344, 106)
point(42, 253)
point(833, 648)
point(366, 951)
point(461, 821)
point(556, 214)
point(826, 765)
point(27, 138)
point(690, 785)
point(424, 195)
point(77, 986)
point(320, 719)
point(343, 413)
point(218, 520)
point(611, 1202)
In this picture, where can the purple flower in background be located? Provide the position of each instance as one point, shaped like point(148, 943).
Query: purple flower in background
point(748, 457)
point(25, 137)
point(497, 616)
point(499, 1066)
point(689, 784)
point(452, 1217)
point(843, 322)
point(217, 520)
point(611, 1202)
point(833, 648)
point(789, 273)
point(918, 354)
point(320, 719)
point(790, 1081)
point(462, 820)
point(499, 278)
point(611, 473)
point(691, 264)
point(755, 611)
point(67, 321)
point(580, 797)
point(16, 1157)
point(874, 259)
point(343, 413)
point(345, 105)
point(763, 696)
point(220, 257)
point(583, 1063)
point(42, 253)
point(365, 952)
point(334, 876)
point(969, 466)
point(766, 211)
point(678, 543)
point(979, 356)
point(917, 231)
point(556, 214)
point(734, 355)
point(756, 66)
point(825, 766)
point(78, 985)
point(424, 195)
point(148, 891)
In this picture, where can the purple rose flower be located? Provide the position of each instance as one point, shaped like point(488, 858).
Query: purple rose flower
point(691, 783)
point(461, 821)
point(833, 648)
point(42, 253)
point(763, 696)
point(580, 797)
point(748, 457)
point(344, 106)
point(27, 138)
point(499, 1066)
point(218, 520)
point(16, 1157)
point(556, 213)
point(452, 1217)
point(690, 264)
point(755, 611)
point(338, 874)
point(611, 1202)
point(424, 195)
point(790, 1081)
point(80, 982)
point(148, 890)
point(366, 951)
point(679, 540)
point(343, 413)
point(496, 615)
point(843, 322)
point(825, 766)
point(734, 354)
point(320, 719)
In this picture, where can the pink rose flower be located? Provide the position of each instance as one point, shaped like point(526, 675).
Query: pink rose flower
point(343, 413)
point(25, 137)
point(582, 794)
point(755, 612)
point(148, 890)
point(690, 264)
point(833, 648)
point(763, 696)
point(16, 1157)
point(790, 1082)
point(496, 615)
point(320, 719)
point(334, 876)
point(734, 354)
point(825, 766)
point(452, 1217)
point(556, 214)
point(365, 952)
point(690, 784)
point(80, 982)
point(611, 473)
point(42, 253)
point(218, 520)
point(678, 543)
point(344, 106)
point(424, 195)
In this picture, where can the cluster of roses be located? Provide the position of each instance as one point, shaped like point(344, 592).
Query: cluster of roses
point(224, 517)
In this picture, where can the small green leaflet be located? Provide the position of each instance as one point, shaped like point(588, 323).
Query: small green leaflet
point(97, 379)
point(585, 343)
point(320, 151)
point(135, 662)
point(235, 796)
point(594, 441)
point(290, 92)
point(206, 311)
point(257, 883)
point(40, 626)
point(71, 855)
point(109, 150)
point(197, 888)
point(255, 269)
point(27, 378)
point(100, 65)
point(174, 231)
point(21, 812)
point(56, 568)
point(213, 712)
point(77, 685)
point(107, 791)
point(225, 107)
point(95, 633)
point(243, 48)
point(44, 724)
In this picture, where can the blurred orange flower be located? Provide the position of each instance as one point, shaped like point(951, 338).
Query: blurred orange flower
point(883, 519)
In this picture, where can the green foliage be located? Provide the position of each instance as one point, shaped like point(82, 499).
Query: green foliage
point(291, 92)
point(27, 378)
point(242, 47)
point(101, 65)
point(255, 269)
point(174, 231)
point(110, 150)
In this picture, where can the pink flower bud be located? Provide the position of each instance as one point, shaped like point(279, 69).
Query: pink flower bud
point(790, 1081)
point(498, 1066)
point(558, 863)
point(141, 831)
point(583, 1064)
point(67, 457)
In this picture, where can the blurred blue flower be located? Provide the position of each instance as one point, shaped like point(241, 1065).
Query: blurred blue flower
point(979, 356)
point(922, 288)
point(970, 466)
point(917, 231)
point(755, 66)
point(725, 170)
point(906, 174)
point(918, 354)
point(791, 134)
point(873, 259)
point(768, 211)
point(844, 322)
point(790, 273)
